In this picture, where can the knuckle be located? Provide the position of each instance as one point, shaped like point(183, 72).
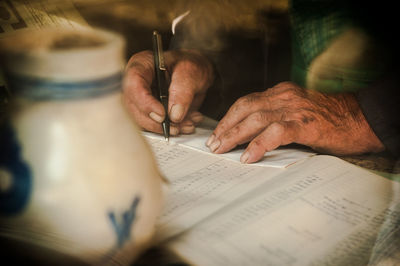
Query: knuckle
point(220, 129)
point(192, 68)
point(240, 102)
point(249, 99)
point(141, 61)
point(230, 135)
point(187, 65)
point(253, 97)
point(259, 117)
point(236, 131)
point(285, 83)
point(288, 89)
point(277, 128)
point(246, 102)
point(283, 114)
point(258, 144)
point(289, 94)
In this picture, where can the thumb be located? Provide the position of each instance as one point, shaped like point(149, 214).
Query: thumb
point(182, 91)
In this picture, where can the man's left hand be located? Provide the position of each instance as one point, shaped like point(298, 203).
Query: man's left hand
point(287, 113)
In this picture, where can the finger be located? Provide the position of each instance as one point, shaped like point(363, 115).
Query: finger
point(241, 109)
point(275, 135)
point(146, 122)
point(137, 86)
point(244, 131)
point(137, 90)
point(186, 127)
point(189, 83)
point(181, 93)
point(196, 117)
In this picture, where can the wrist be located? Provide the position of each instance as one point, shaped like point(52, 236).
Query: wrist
point(360, 128)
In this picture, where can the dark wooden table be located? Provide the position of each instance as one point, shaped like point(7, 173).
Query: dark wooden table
point(136, 20)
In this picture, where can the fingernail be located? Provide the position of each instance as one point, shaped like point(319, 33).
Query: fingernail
point(214, 145)
point(176, 112)
point(174, 131)
point(156, 117)
point(196, 118)
point(245, 157)
point(210, 140)
point(187, 123)
point(187, 129)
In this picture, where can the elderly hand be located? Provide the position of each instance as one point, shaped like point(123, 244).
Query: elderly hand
point(286, 113)
point(191, 75)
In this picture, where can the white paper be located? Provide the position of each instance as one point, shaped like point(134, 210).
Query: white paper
point(280, 158)
point(323, 211)
point(200, 184)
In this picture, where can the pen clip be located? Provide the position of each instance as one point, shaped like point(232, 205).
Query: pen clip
point(160, 54)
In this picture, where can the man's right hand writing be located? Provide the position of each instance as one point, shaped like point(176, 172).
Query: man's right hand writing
point(191, 74)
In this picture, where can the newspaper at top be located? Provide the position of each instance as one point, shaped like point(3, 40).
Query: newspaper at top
point(22, 15)
point(17, 16)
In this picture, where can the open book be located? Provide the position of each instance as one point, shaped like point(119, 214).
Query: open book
point(317, 210)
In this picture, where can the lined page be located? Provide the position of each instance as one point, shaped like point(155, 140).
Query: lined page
point(321, 212)
point(200, 184)
point(280, 158)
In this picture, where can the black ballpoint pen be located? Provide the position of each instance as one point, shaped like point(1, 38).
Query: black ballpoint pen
point(161, 90)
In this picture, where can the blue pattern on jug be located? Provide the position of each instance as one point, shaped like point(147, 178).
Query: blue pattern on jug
point(15, 195)
point(44, 89)
point(124, 226)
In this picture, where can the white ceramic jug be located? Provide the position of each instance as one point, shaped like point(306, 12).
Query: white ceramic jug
point(76, 175)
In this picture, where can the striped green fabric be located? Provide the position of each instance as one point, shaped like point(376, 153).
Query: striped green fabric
point(316, 25)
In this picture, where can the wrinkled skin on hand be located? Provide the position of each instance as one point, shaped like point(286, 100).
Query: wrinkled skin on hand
point(287, 113)
point(190, 73)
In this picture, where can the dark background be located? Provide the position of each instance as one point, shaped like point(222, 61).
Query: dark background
point(261, 28)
